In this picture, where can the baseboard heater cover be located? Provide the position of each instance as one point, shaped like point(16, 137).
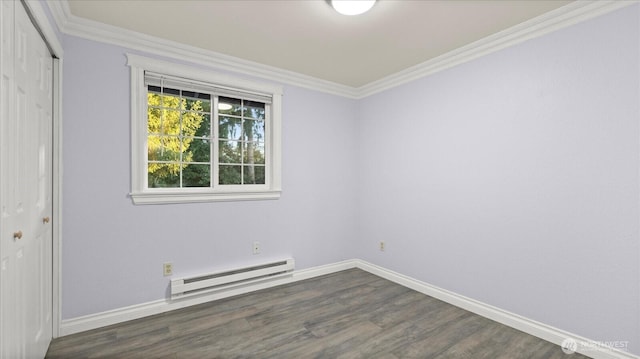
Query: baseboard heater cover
point(232, 278)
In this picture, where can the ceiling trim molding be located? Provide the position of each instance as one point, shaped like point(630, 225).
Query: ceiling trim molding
point(565, 16)
point(93, 30)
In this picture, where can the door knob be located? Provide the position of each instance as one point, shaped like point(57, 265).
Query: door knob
point(17, 235)
point(45, 220)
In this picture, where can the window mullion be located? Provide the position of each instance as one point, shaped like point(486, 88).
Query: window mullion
point(215, 145)
point(243, 144)
point(267, 144)
point(180, 140)
point(141, 133)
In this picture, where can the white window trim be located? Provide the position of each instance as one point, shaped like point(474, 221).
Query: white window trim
point(142, 195)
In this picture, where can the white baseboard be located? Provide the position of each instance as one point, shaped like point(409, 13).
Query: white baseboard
point(103, 319)
point(585, 346)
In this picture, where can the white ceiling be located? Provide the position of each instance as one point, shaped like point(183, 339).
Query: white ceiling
point(310, 38)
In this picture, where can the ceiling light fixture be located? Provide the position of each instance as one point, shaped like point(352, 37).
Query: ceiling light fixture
point(352, 7)
point(224, 106)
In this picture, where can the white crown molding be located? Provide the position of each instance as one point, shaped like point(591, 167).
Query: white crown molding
point(565, 16)
point(92, 30)
point(570, 14)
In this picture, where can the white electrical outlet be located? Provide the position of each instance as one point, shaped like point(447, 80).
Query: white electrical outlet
point(382, 245)
point(167, 269)
point(256, 247)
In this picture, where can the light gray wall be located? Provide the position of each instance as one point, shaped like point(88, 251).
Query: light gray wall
point(113, 250)
point(513, 179)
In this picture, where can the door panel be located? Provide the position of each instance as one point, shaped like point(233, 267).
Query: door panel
point(39, 197)
point(25, 188)
point(10, 325)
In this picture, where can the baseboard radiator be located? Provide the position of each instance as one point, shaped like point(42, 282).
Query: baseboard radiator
point(220, 281)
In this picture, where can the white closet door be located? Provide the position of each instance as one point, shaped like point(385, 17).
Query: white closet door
point(9, 322)
point(25, 197)
point(36, 160)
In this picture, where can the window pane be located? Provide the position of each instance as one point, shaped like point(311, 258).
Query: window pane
point(163, 148)
point(253, 153)
point(229, 106)
point(196, 175)
point(192, 105)
point(196, 95)
point(206, 106)
point(170, 91)
point(191, 122)
point(200, 150)
point(230, 128)
point(197, 105)
point(229, 152)
point(165, 97)
point(254, 175)
point(254, 109)
point(230, 175)
point(169, 101)
point(170, 122)
point(164, 175)
point(205, 127)
point(253, 130)
point(154, 116)
point(153, 99)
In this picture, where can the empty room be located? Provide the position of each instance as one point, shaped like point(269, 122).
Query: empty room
point(320, 179)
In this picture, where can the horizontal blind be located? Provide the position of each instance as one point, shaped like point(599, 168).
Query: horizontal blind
point(179, 83)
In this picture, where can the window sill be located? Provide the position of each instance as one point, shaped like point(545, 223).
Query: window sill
point(200, 197)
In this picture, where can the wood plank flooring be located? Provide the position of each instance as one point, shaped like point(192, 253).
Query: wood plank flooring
point(349, 314)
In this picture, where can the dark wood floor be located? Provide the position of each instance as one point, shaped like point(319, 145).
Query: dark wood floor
point(350, 314)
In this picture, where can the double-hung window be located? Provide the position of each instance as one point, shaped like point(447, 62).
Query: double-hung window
point(198, 136)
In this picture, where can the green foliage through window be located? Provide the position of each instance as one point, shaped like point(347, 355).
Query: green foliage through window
point(178, 142)
point(241, 127)
point(180, 138)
